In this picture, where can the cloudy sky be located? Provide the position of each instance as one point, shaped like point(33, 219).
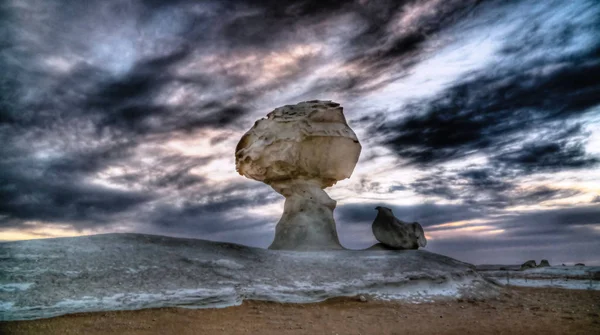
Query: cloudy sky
point(478, 119)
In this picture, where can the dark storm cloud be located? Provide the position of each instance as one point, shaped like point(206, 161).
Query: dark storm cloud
point(57, 186)
point(56, 190)
point(117, 92)
point(494, 110)
point(120, 92)
point(462, 185)
point(264, 24)
point(528, 90)
point(87, 83)
point(127, 103)
point(87, 117)
point(119, 89)
point(397, 188)
point(525, 112)
point(24, 196)
point(386, 47)
point(547, 156)
point(484, 188)
point(497, 184)
point(82, 162)
point(170, 171)
point(213, 211)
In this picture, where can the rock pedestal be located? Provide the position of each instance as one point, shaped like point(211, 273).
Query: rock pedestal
point(307, 222)
point(299, 150)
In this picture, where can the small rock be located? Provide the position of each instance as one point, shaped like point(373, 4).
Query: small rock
point(528, 265)
point(396, 234)
point(362, 298)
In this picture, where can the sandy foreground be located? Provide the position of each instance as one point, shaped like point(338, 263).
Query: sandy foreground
point(516, 311)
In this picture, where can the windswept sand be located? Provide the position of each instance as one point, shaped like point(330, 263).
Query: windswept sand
point(516, 311)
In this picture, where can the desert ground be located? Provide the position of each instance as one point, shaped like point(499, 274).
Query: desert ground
point(515, 311)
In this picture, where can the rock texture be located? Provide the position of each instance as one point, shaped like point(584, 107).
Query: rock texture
point(530, 264)
point(299, 150)
point(543, 263)
point(50, 277)
point(396, 234)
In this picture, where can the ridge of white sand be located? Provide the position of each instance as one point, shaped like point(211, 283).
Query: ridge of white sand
point(51, 277)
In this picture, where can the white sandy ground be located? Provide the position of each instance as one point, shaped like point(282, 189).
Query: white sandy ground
point(51, 277)
point(568, 277)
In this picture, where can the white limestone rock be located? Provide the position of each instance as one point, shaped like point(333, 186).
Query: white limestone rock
point(396, 234)
point(299, 150)
point(133, 271)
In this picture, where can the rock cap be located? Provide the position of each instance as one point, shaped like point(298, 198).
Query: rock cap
point(310, 140)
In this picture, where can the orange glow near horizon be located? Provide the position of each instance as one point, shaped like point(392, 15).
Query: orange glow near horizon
point(7, 235)
point(35, 230)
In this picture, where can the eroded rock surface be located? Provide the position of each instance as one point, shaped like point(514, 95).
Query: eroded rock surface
point(299, 150)
point(50, 277)
point(543, 263)
point(396, 234)
point(530, 264)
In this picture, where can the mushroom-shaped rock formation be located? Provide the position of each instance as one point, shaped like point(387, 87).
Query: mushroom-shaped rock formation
point(396, 234)
point(299, 150)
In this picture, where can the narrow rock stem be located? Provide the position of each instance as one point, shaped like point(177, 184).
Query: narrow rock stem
point(307, 222)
